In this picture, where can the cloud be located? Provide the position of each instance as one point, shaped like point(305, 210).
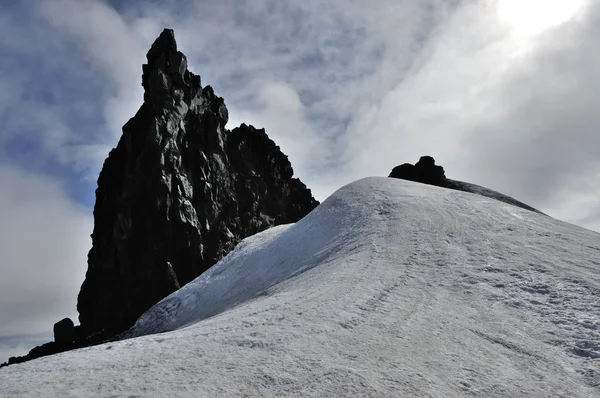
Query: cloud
point(48, 99)
point(44, 239)
point(18, 345)
point(346, 90)
point(327, 57)
point(542, 140)
point(512, 113)
point(432, 105)
point(112, 49)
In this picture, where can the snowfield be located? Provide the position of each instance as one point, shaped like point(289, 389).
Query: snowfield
point(388, 288)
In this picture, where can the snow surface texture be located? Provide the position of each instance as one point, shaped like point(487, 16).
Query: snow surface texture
point(483, 191)
point(399, 289)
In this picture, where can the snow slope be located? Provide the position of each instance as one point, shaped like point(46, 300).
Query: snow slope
point(398, 289)
point(483, 191)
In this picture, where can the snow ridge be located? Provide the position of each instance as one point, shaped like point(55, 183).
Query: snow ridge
point(388, 288)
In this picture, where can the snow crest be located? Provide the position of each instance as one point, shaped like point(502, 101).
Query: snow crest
point(388, 288)
point(257, 263)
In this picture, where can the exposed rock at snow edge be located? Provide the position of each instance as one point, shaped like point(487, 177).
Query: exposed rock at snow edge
point(427, 172)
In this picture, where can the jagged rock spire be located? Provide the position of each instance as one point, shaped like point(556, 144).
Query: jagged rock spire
point(178, 193)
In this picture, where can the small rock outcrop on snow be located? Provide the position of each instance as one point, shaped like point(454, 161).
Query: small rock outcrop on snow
point(64, 331)
point(427, 172)
point(178, 193)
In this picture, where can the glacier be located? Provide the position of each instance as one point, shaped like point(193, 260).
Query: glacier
point(388, 288)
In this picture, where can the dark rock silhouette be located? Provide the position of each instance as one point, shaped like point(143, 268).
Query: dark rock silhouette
point(176, 195)
point(424, 171)
point(64, 331)
point(427, 172)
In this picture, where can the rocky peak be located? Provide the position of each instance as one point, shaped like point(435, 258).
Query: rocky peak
point(178, 193)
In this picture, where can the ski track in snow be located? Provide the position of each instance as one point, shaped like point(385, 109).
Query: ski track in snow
point(397, 289)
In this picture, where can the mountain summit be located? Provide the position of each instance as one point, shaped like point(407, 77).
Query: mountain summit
point(178, 193)
point(426, 171)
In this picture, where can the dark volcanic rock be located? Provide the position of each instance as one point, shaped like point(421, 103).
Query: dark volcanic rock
point(36, 352)
point(427, 172)
point(64, 331)
point(70, 339)
point(178, 193)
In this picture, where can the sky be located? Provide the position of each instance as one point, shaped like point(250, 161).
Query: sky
point(503, 93)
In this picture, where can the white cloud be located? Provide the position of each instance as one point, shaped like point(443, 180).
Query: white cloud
point(513, 114)
point(113, 49)
point(285, 118)
point(346, 91)
point(7, 351)
point(19, 345)
point(542, 140)
point(44, 239)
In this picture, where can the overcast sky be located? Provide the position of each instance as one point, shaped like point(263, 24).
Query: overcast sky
point(503, 93)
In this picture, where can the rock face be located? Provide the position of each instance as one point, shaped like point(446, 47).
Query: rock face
point(427, 172)
point(64, 332)
point(178, 193)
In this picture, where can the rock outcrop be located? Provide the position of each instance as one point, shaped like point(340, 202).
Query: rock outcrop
point(427, 172)
point(178, 193)
point(64, 332)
